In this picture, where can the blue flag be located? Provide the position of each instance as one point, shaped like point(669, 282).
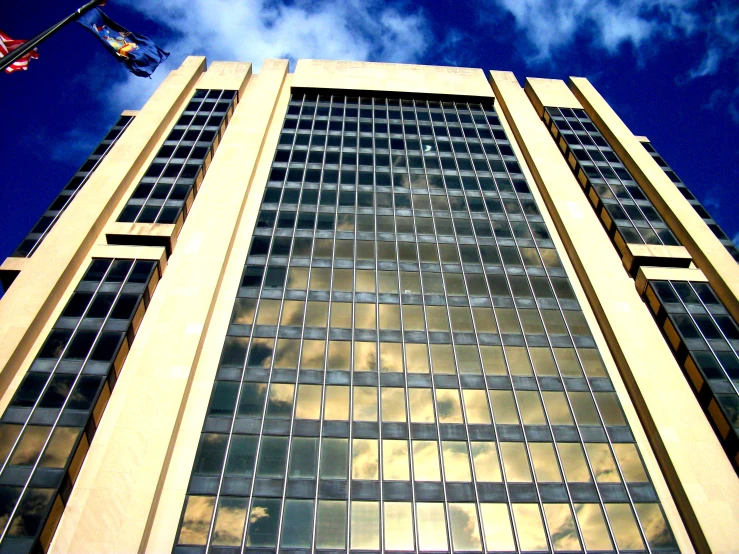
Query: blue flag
point(137, 52)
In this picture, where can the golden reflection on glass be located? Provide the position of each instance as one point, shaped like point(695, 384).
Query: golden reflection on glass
point(485, 460)
point(561, 527)
point(286, 353)
point(567, 361)
point(531, 322)
point(365, 280)
point(29, 447)
point(428, 254)
point(343, 279)
point(582, 405)
point(456, 461)
point(593, 527)
point(492, 360)
point(449, 406)
point(390, 317)
point(476, 406)
point(297, 278)
point(393, 404)
point(530, 257)
point(292, 313)
point(339, 355)
point(391, 357)
point(331, 524)
point(592, 363)
point(345, 222)
point(432, 282)
point(631, 466)
point(454, 283)
point(387, 282)
point(365, 462)
point(344, 249)
point(609, 408)
point(504, 409)
point(449, 253)
point(60, 447)
point(468, 361)
point(624, 527)
point(365, 404)
point(365, 525)
point(553, 322)
point(365, 316)
point(461, 318)
point(545, 462)
point(530, 527)
point(386, 250)
point(407, 253)
point(576, 322)
point(8, 433)
point(484, 320)
point(269, 311)
point(442, 359)
point(196, 521)
point(313, 353)
point(573, 462)
point(320, 278)
point(410, 282)
point(316, 314)
point(244, 310)
point(413, 318)
point(496, 524)
point(602, 463)
point(422, 405)
point(341, 315)
point(230, 521)
point(507, 321)
point(437, 318)
point(426, 461)
point(398, 529)
point(543, 360)
point(395, 460)
point(323, 248)
point(515, 462)
point(365, 356)
point(529, 404)
point(518, 360)
point(309, 402)
point(465, 527)
point(417, 358)
point(654, 525)
point(431, 527)
point(557, 408)
point(336, 405)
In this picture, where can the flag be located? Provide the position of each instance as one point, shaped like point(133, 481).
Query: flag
point(138, 53)
point(7, 45)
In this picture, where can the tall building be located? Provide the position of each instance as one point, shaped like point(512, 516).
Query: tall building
point(370, 307)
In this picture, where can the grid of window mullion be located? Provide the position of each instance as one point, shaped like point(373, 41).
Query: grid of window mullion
point(605, 181)
point(119, 131)
point(706, 339)
point(200, 134)
point(581, 439)
point(54, 425)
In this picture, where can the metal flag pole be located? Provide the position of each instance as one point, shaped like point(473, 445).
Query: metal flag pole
point(38, 39)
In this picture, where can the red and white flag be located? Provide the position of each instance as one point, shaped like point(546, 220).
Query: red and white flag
point(7, 45)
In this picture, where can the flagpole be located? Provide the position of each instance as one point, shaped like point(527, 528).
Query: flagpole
point(38, 39)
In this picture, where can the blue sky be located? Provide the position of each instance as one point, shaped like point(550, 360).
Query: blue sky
point(670, 69)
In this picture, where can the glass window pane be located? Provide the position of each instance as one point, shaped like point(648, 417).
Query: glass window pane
point(230, 521)
point(365, 356)
point(484, 320)
point(431, 527)
point(365, 463)
point(309, 402)
point(395, 460)
point(339, 355)
point(567, 361)
point(624, 527)
point(365, 404)
point(313, 353)
point(264, 521)
point(448, 406)
point(391, 357)
point(557, 408)
point(30, 445)
point(393, 404)
point(492, 360)
point(417, 358)
point(422, 405)
point(398, 520)
point(543, 361)
point(582, 405)
point(365, 528)
point(468, 361)
point(602, 463)
point(269, 311)
point(609, 408)
point(437, 318)
point(341, 315)
point(390, 316)
point(573, 462)
point(562, 527)
point(413, 318)
point(60, 447)
point(504, 409)
point(456, 461)
point(485, 460)
point(442, 359)
point(631, 466)
point(476, 406)
point(426, 461)
point(593, 526)
point(465, 527)
point(272, 457)
point(530, 406)
point(242, 455)
point(515, 462)
point(334, 458)
point(336, 403)
point(297, 524)
point(303, 457)
point(196, 521)
point(292, 313)
point(280, 400)
point(529, 526)
point(331, 524)
point(497, 525)
point(244, 308)
point(545, 462)
point(365, 316)
point(518, 360)
point(286, 353)
point(655, 527)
